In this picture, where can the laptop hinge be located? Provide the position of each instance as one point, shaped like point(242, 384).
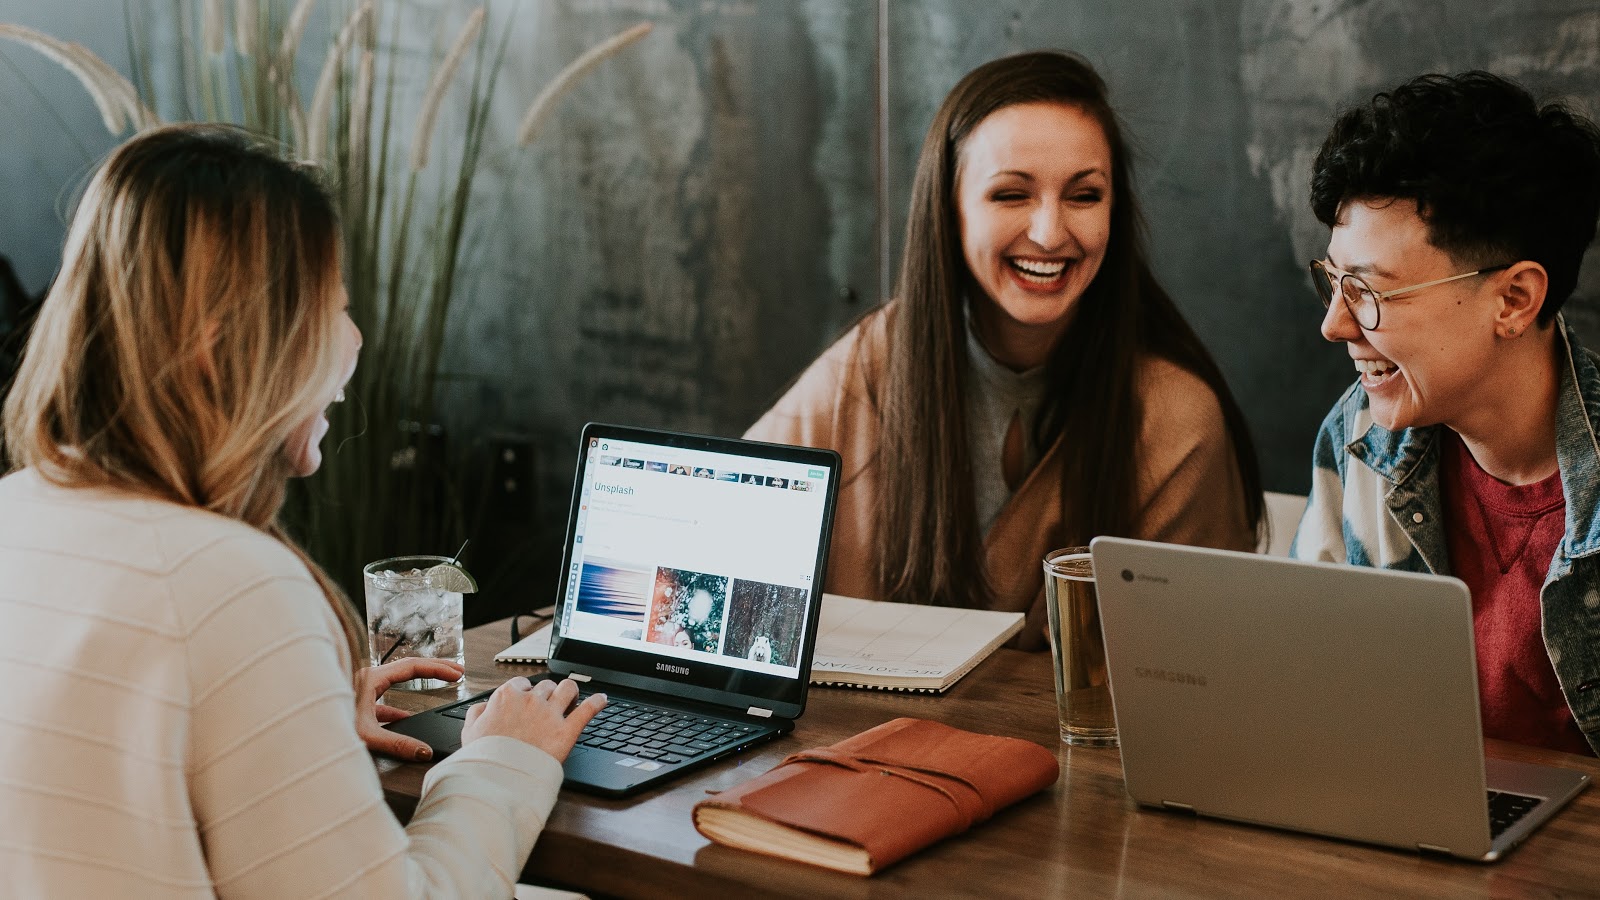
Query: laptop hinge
point(1433, 848)
point(758, 711)
point(1175, 806)
point(578, 676)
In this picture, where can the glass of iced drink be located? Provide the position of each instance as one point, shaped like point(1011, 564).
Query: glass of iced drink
point(414, 609)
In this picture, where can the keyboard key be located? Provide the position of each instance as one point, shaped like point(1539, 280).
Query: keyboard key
point(1507, 809)
point(670, 758)
point(649, 754)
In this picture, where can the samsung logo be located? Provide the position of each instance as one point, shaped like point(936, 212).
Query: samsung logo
point(1174, 677)
point(676, 670)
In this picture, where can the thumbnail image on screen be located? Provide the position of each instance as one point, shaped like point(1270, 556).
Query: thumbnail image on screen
point(765, 622)
point(686, 610)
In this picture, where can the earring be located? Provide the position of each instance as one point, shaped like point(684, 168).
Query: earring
point(1512, 332)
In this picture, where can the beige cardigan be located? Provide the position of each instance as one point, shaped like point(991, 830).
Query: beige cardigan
point(1189, 485)
point(181, 723)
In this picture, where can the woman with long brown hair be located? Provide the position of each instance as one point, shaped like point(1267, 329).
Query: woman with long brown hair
point(1032, 386)
point(187, 719)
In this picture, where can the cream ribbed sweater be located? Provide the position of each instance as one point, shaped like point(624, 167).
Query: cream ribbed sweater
point(179, 723)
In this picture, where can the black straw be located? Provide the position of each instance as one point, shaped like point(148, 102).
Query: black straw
point(392, 648)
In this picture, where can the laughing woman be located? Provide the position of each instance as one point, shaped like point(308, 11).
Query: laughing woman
point(1032, 386)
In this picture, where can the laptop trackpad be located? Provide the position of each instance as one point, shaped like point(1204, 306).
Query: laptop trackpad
point(442, 733)
point(587, 767)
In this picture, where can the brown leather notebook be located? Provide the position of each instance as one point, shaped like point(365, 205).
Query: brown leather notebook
point(873, 799)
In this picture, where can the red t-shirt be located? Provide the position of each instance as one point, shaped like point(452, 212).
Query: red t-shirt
point(1501, 539)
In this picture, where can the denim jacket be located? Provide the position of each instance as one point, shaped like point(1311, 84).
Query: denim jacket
point(1375, 502)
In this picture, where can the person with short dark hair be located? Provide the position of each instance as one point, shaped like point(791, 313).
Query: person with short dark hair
point(1460, 210)
point(1031, 386)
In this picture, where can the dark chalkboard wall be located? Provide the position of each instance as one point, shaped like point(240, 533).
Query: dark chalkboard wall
point(709, 210)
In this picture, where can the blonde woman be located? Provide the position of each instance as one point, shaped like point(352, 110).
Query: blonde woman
point(183, 719)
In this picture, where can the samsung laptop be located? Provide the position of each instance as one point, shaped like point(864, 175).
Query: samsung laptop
point(691, 586)
point(1337, 700)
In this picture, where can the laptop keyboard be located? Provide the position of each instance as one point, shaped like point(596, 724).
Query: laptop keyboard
point(1505, 810)
point(650, 732)
point(665, 735)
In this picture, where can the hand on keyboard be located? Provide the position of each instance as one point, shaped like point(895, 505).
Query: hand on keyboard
point(533, 713)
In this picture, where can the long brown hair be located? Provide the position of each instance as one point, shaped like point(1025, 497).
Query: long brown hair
point(192, 329)
point(928, 548)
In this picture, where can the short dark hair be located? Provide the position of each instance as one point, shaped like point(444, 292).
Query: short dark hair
point(1496, 177)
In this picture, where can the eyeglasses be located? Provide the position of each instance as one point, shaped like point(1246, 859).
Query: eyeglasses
point(1359, 297)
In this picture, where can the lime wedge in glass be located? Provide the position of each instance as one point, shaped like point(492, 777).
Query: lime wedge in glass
point(453, 578)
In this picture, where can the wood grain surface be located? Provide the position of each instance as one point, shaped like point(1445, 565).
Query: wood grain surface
point(1083, 836)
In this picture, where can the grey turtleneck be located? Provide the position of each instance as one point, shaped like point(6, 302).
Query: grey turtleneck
point(996, 394)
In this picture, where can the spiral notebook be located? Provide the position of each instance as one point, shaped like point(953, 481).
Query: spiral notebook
point(873, 644)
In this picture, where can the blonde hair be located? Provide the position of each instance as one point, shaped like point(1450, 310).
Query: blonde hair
point(191, 330)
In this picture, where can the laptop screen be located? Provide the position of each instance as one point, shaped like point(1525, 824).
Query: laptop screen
point(696, 560)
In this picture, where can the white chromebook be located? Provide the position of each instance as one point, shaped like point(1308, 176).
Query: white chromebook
point(1330, 699)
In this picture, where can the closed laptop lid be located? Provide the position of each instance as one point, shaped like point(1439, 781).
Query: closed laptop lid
point(694, 566)
point(1331, 699)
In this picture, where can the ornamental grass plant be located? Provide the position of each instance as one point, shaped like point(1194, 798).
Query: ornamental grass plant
point(403, 183)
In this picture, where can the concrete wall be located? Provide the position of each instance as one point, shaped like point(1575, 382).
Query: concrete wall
point(50, 134)
point(705, 214)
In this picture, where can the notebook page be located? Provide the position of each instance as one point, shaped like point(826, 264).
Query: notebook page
point(535, 648)
point(902, 640)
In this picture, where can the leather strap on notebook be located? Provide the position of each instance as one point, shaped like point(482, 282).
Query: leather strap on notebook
point(970, 804)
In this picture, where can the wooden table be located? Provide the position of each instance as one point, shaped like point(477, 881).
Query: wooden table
point(1081, 837)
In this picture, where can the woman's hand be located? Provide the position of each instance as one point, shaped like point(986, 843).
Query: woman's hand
point(534, 713)
point(371, 682)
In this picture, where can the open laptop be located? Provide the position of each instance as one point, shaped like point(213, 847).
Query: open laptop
point(1337, 700)
point(692, 583)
